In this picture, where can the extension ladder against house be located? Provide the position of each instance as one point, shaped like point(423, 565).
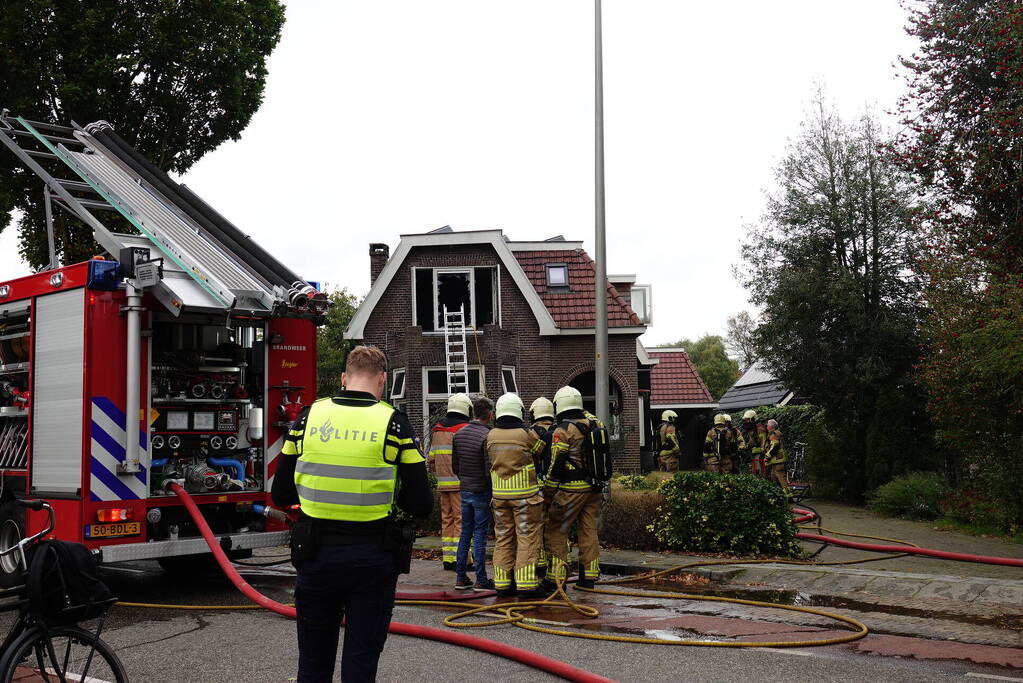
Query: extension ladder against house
point(455, 350)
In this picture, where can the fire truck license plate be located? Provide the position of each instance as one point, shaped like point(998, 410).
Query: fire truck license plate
point(110, 530)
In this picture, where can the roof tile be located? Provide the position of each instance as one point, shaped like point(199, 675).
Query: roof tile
point(574, 308)
point(674, 380)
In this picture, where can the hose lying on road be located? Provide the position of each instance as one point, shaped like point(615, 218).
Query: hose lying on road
point(513, 612)
point(552, 666)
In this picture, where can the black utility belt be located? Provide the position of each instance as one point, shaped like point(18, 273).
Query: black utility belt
point(344, 539)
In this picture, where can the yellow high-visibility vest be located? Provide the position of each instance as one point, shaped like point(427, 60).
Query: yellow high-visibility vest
point(342, 473)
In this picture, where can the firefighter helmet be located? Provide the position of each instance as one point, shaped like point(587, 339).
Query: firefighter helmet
point(461, 404)
point(669, 416)
point(568, 398)
point(542, 407)
point(749, 415)
point(719, 419)
point(509, 405)
point(728, 418)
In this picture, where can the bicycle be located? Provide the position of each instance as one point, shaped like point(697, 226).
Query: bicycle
point(799, 487)
point(34, 650)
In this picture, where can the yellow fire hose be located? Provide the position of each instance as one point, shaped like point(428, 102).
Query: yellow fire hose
point(513, 612)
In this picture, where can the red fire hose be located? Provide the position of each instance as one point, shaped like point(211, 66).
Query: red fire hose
point(552, 666)
point(807, 515)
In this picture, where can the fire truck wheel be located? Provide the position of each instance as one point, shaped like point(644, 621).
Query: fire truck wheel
point(12, 530)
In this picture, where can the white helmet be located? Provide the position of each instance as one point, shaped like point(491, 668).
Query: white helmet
point(668, 416)
point(568, 398)
point(461, 404)
point(728, 418)
point(542, 407)
point(509, 405)
point(749, 415)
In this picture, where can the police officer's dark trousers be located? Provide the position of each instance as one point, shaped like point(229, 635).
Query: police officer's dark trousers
point(356, 582)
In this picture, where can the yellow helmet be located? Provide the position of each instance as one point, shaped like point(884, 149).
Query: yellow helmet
point(668, 416)
point(728, 418)
point(461, 404)
point(568, 398)
point(541, 407)
point(719, 419)
point(749, 415)
point(509, 405)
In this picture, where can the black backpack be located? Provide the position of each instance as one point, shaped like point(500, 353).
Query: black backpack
point(64, 585)
point(597, 451)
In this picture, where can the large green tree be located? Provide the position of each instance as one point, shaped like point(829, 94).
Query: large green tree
point(710, 359)
point(831, 264)
point(962, 139)
point(176, 79)
point(331, 346)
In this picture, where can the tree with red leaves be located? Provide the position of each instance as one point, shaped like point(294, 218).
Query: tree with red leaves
point(963, 140)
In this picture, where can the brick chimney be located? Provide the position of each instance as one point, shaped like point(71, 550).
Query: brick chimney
point(378, 255)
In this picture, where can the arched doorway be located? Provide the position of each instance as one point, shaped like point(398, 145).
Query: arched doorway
point(586, 384)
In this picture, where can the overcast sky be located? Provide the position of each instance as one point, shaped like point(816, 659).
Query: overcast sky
point(385, 117)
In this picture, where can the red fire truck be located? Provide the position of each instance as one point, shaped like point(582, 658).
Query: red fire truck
point(180, 356)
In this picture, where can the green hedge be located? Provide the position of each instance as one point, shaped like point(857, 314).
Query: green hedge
point(734, 515)
point(917, 495)
point(625, 520)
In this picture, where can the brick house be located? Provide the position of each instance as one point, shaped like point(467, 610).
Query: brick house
point(530, 319)
point(676, 385)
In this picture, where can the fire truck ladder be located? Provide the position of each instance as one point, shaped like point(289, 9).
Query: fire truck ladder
point(456, 350)
point(208, 263)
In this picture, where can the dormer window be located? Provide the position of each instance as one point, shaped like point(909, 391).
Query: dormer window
point(640, 295)
point(557, 276)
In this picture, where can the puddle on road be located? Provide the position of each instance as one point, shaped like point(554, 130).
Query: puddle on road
point(1011, 622)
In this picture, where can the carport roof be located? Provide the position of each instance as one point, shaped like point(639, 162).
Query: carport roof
point(675, 382)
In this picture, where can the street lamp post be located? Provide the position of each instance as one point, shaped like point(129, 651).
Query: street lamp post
point(600, 283)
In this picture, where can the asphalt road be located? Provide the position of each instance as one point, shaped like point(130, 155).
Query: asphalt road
point(179, 646)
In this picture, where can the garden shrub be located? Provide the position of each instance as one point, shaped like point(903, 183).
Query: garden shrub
point(976, 509)
point(635, 482)
point(734, 515)
point(625, 520)
point(917, 495)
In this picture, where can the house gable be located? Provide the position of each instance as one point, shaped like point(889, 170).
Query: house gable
point(492, 238)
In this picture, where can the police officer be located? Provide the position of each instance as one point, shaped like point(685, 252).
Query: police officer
point(571, 498)
point(776, 457)
point(718, 447)
point(517, 503)
point(448, 487)
point(668, 438)
point(341, 462)
point(542, 411)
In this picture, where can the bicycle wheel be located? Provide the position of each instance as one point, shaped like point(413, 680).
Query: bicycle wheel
point(76, 655)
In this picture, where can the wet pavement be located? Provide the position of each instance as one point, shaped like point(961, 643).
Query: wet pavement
point(925, 640)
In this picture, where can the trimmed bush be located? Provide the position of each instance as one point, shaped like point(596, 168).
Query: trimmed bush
point(916, 495)
point(635, 482)
point(625, 521)
point(975, 509)
point(735, 515)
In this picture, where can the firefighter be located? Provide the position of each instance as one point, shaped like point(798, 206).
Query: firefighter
point(517, 503)
point(542, 411)
point(718, 447)
point(776, 457)
point(570, 495)
point(670, 445)
point(441, 436)
point(753, 436)
point(344, 478)
point(736, 441)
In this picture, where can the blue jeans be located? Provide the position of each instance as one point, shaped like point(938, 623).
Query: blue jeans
point(354, 582)
point(475, 526)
